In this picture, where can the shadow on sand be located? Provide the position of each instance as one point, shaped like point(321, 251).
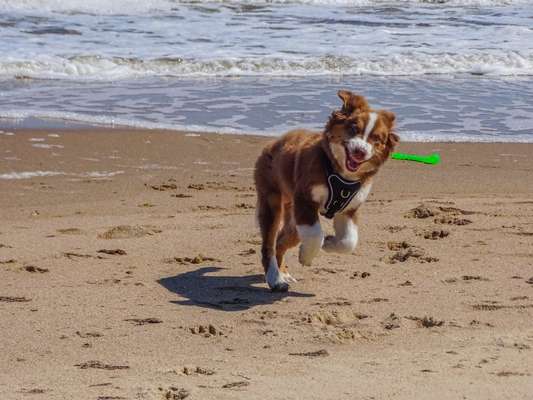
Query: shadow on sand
point(228, 293)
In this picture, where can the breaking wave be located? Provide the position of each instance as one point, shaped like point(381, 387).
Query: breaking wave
point(101, 68)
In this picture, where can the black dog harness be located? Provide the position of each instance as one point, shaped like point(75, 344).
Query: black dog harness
point(341, 191)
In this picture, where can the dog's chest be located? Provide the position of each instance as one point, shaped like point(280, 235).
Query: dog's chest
point(320, 194)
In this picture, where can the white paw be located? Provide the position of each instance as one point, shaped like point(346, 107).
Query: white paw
point(312, 239)
point(334, 245)
point(330, 243)
point(306, 254)
point(275, 278)
point(288, 278)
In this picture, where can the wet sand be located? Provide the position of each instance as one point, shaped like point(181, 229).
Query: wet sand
point(131, 271)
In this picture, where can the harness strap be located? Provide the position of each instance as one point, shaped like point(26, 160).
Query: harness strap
point(341, 191)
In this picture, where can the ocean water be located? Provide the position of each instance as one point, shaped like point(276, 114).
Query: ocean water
point(450, 70)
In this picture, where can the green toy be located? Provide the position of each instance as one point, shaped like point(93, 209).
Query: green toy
point(433, 159)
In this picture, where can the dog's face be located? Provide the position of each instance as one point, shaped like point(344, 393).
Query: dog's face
point(360, 139)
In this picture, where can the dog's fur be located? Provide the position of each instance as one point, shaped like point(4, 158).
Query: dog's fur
point(290, 179)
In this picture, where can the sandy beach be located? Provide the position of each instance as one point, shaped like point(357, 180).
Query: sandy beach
point(129, 269)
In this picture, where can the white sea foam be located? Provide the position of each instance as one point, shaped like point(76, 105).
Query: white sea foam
point(103, 174)
point(35, 174)
point(47, 146)
point(407, 135)
point(29, 174)
point(501, 63)
point(70, 117)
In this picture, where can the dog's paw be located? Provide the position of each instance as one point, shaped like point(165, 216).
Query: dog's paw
point(288, 277)
point(306, 255)
point(275, 279)
point(330, 243)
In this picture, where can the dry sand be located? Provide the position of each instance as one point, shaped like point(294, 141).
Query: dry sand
point(146, 283)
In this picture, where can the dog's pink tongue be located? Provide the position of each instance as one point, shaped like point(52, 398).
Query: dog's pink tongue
point(351, 163)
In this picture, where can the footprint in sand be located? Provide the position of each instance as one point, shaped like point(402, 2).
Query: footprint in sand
point(33, 269)
point(391, 322)
point(206, 331)
point(435, 234)
point(174, 393)
point(312, 354)
point(12, 299)
point(127, 232)
point(448, 220)
point(450, 216)
point(421, 211)
point(197, 371)
point(164, 187)
point(199, 259)
point(144, 321)
point(404, 251)
point(100, 365)
point(70, 231)
point(113, 252)
point(426, 322)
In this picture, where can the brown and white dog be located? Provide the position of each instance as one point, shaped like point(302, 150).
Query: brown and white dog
point(292, 182)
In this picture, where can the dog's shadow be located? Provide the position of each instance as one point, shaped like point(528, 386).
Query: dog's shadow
point(228, 293)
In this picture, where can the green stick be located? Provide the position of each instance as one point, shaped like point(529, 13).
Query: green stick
point(433, 159)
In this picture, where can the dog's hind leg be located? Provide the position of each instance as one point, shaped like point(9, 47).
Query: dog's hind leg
point(269, 208)
point(287, 238)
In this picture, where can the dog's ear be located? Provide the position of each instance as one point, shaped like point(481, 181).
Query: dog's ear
point(389, 118)
point(352, 102)
point(392, 140)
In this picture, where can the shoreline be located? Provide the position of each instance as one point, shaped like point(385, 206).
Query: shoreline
point(46, 126)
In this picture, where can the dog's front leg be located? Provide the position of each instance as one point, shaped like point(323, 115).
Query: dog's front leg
point(308, 227)
point(346, 234)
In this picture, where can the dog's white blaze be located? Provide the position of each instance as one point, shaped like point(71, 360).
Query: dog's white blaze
point(312, 239)
point(346, 235)
point(372, 117)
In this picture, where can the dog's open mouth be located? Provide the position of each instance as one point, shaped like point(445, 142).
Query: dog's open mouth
point(354, 158)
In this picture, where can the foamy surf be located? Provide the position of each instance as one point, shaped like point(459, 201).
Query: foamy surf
point(504, 63)
point(427, 134)
point(29, 174)
point(40, 174)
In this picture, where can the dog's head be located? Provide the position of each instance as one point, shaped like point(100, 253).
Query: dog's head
point(360, 139)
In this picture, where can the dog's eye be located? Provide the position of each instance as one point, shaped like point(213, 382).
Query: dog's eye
point(354, 130)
